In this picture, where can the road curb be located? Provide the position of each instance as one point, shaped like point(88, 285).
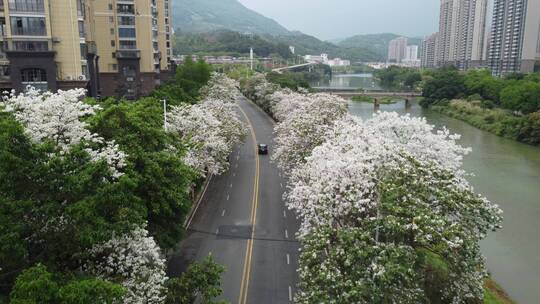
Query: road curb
point(198, 201)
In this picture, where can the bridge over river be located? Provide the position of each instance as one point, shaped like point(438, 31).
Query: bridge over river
point(376, 94)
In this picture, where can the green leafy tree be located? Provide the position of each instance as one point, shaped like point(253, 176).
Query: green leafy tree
point(521, 96)
point(54, 207)
point(191, 76)
point(162, 180)
point(446, 83)
point(201, 281)
point(38, 285)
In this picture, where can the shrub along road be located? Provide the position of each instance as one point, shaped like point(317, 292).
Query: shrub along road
point(243, 223)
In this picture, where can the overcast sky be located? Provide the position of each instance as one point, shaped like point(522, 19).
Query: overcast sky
point(330, 19)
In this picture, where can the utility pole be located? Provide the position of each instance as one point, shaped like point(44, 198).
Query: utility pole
point(251, 57)
point(165, 114)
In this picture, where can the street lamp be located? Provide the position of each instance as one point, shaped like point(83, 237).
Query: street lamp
point(165, 114)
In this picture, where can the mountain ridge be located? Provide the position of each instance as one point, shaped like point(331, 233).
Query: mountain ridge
point(199, 16)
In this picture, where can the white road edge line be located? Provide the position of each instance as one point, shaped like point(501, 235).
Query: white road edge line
point(290, 293)
point(227, 197)
point(223, 212)
point(288, 259)
point(286, 234)
point(284, 214)
point(231, 185)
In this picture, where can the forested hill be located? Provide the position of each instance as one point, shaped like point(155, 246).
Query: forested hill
point(235, 43)
point(228, 27)
point(199, 16)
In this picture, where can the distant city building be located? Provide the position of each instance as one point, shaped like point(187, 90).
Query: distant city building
point(292, 49)
point(411, 52)
point(323, 58)
point(515, 37)
point(397, 49)
point(429, 50)
point(462, 28)
point(411, 57)
point(338, 62)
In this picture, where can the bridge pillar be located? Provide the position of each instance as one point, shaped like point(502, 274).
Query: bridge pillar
point(376, 103)
point(407, 103)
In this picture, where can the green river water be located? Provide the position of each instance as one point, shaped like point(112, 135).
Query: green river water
point(507, 173)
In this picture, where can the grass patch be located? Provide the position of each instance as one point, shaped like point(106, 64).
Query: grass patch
point(494, 294)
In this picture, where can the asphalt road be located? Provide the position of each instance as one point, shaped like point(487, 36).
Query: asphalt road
point(243, 223)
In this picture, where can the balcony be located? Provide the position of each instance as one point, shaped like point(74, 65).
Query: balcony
point(128, 54)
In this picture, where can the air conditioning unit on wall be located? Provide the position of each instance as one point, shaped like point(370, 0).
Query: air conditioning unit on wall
point(82, 77)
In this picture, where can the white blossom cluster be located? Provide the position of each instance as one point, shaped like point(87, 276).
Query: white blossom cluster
point(211, 129)
point(58, 117)
point(378, 192)
point(134, 260)
point(221, 87)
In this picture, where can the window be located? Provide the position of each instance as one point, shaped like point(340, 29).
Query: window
point(28, 26)
point(111, 19)
point(126, 20)
point(84, 51)
point(129, 71)
point(125, 9)
point(33, 46)
point(113, 43)
point(110, 6)
point(80, 8)
point(81, 29)
point(36, 6)
point(112, 31)
point(126, 32)
point(128, 44)
point(35, 77)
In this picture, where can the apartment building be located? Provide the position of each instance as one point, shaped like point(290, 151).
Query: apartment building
point(461, 39)
point(428, 56)
point(111, 47)
point(133, 44)
point(44, 43)
point(515, 37)
point(397, 49)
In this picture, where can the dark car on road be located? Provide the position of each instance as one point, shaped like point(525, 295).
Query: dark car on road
point(263, 149)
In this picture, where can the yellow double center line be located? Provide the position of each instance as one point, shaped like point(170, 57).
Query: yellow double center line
point(244, 286)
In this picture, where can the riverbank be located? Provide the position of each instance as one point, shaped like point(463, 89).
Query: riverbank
point(494, 294)
point(525, 128)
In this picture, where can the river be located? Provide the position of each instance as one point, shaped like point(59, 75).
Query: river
point(506, 172)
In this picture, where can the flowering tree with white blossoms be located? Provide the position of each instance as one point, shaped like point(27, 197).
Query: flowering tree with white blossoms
point(304, 122)
point(133, 260)
point(211, 130)
point(57, 117)
point(379, 201)
point(221, 87)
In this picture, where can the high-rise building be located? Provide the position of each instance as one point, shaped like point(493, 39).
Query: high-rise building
point(462, 27)
point(397, 49)
point(411, 52)
point(429, 51)
point(113, 47)
point(515, 36)
point(44, 43)
point(133, 45)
